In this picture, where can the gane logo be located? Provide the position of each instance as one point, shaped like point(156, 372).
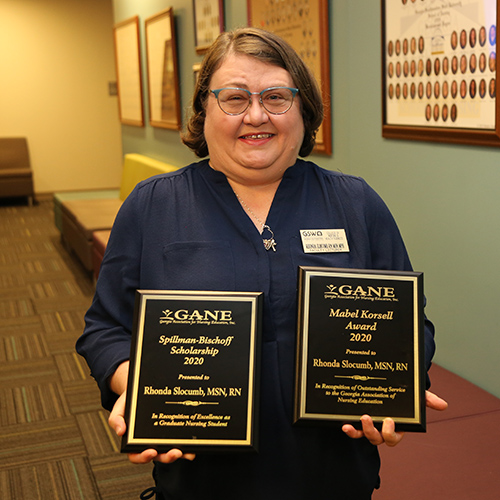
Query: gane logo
point(195, 316)
point(374, 292)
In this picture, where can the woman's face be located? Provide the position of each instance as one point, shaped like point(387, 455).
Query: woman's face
point(256, 147)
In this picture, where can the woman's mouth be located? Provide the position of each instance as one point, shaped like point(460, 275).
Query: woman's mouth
point(256, 136)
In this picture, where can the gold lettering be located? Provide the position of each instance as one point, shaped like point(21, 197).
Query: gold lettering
point(358, 326)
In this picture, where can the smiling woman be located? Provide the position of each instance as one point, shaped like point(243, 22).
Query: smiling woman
point(237, 222)
point(255, 142)
point(255, 147)
point(269, 49)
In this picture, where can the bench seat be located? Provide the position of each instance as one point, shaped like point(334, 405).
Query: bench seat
point(82, 213)
point(80, 218)
point(59, 198)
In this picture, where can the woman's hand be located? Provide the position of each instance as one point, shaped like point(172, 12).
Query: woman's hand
point(435, 402)
point(165, 458)
point(117, 423)
point(388, 435)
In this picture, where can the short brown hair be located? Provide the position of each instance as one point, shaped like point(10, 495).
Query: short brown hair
point(268, 48)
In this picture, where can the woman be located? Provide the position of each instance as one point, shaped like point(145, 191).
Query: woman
point(232, 223)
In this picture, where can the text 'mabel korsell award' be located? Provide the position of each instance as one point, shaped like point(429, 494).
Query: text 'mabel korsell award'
point(360, 347)
point(194, 371)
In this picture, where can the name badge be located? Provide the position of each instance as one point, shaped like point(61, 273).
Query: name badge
point(324, 240)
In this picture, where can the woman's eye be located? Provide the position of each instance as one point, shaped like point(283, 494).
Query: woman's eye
point(274, 97)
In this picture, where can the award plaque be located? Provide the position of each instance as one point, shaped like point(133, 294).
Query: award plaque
point(360, 347)
point(194, 366)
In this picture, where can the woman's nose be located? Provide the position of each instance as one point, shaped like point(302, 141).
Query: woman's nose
point(255, 113)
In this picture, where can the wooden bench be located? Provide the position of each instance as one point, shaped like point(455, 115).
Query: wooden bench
point(80, 216)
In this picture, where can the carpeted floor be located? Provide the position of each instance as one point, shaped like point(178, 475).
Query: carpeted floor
point(54, 439)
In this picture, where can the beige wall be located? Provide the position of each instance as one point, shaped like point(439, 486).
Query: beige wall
point(56, 59)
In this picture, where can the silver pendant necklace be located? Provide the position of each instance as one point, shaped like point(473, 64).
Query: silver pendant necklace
point(268, 242)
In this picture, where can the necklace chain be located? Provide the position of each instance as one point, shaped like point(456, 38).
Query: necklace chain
point(268, 242)
point(249, 210)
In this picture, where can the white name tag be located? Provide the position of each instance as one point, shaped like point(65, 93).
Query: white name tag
point(324, 240)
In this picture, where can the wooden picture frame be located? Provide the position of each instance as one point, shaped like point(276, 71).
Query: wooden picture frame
point(306, 29)
point(128, 72)
point(208, 23)
point(196, 72)
point(439, 71)
point(163, 73)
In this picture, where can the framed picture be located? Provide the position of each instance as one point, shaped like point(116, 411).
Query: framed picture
point(128, 72)
point(439, 79)
point(163, 76)
point(304, 25)
point(208, 22)
point(196, 71)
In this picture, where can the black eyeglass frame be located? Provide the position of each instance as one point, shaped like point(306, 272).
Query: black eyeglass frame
point(216, 92)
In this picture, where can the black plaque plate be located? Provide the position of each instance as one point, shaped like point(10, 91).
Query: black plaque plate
point(360, 347)
point(194, 366)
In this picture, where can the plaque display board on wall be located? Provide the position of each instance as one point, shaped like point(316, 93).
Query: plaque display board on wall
point(304, 24)
point(439, 71)
point(208, 23)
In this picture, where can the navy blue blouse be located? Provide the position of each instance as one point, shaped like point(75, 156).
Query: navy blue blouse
point(187, 231)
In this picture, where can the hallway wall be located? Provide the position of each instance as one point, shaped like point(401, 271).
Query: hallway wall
point(56, 59)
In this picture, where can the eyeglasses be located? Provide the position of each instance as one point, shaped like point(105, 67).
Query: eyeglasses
point(275, 100)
